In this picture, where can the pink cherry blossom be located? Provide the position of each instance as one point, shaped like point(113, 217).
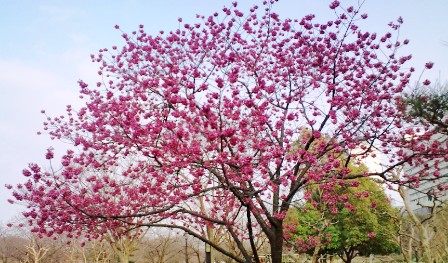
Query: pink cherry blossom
point(49, 155)
point(429, 65)
point(334, 4)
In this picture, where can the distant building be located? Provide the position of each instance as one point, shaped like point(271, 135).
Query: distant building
point(421, 198)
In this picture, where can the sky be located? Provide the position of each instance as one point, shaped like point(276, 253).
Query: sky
point(45, 49)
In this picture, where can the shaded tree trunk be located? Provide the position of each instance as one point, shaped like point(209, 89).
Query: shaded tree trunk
point(348, 255)
point(276, 243)
point(315, 254)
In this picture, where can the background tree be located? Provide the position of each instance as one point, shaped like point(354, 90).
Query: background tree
point(427, 104)
point(418, 231)
point(95, 251)
point(12, 246)
point(164, 247)
point(430, 104)
point(123, 245)
point(362, 225)
point(439, 244)
point(20, 245)
point(422, 235)
point(214, 109)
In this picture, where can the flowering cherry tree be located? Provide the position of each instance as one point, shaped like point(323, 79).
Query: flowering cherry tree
point(204, 126)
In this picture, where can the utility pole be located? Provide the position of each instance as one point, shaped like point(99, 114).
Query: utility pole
point(186, 249)
point(208, 253)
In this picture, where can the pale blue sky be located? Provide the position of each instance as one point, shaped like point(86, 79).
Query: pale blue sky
point(45, 48)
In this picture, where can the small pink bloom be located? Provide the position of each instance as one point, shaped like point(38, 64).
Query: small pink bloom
point(371, 235)
point(334, 4)
point(429, 65)
point(26, 173)
point(426, 82)
point(49, 155)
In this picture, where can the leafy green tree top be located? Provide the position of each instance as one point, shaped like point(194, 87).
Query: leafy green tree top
point(430, 105)
point(362, 225)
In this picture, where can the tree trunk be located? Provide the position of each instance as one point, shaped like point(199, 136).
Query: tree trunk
point(276, 243)
point(315, 254)
point(317, 247)
point(122, 250)
point(426, 250)
point(422, 231)
point(124, 258)
point(349, 255)
point(407, 255)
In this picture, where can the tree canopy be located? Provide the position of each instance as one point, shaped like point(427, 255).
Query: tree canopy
point(363, 225)
point(212, 111)
point(431, 105)
point(360, 221)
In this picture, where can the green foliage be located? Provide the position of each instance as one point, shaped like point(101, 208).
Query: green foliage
point(362, 224)
point(430, 106)
point(371, 216)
